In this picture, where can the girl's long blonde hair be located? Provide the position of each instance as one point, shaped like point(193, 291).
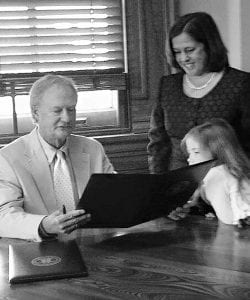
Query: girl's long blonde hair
point(219, 137)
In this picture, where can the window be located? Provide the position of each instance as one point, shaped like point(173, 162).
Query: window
point(82, 39)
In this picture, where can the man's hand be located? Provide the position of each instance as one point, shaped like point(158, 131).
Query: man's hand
point(57, 222)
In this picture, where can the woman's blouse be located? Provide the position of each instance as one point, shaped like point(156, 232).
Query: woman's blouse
point(229, 199)
point(174, 114)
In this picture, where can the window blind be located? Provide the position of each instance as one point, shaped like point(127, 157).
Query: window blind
point(79, 37)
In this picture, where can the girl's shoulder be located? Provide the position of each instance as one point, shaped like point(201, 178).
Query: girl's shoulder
point(219, 174)
point(218, 170)
point(220, 180)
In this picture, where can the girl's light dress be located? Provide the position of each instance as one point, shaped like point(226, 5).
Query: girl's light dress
point(229, 199)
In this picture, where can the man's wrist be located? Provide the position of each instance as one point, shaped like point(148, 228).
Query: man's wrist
point(43, 233)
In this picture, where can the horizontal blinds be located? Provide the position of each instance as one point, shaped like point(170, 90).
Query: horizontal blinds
point(21, 86)
point(49, 36)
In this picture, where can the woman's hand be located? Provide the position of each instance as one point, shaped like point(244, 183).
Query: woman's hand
point(57, 222)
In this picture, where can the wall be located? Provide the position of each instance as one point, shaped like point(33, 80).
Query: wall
point(127, 152)
point(232, 18)
point(245, 40)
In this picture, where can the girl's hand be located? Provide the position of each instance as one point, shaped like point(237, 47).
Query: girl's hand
point(182, 212)
point(179, 213)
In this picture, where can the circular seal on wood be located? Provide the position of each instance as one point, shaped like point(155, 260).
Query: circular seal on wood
point(43, 261)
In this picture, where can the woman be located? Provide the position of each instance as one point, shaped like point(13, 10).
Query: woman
point(205, 87)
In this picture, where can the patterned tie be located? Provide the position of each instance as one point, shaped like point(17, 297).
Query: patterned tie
point(62, 183)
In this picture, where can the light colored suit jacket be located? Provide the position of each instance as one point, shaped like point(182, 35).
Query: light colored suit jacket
point(26, 185)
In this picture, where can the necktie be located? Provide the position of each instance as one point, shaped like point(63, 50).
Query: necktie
point(62, 183)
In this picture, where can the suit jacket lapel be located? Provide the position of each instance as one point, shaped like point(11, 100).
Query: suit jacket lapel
point(41, 175)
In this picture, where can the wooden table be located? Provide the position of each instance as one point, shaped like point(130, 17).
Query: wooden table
point(196, 259)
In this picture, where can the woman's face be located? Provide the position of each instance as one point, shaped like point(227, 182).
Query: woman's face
point(189, 54)
point(197, 153)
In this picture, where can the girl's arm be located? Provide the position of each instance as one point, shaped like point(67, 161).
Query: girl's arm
point(216, 192)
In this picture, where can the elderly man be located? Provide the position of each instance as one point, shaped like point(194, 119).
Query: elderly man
point(48, 168)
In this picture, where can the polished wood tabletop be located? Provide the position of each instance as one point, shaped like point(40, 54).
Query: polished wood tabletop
point(195, 258)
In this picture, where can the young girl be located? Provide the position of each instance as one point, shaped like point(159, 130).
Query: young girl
point(226, 187)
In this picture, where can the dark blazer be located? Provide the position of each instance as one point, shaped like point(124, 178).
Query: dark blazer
point(174, 114)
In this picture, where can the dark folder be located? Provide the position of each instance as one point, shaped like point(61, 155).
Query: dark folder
point(124, 200)
point(46, 260)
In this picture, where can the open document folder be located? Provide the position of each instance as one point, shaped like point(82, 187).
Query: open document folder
point(124, 200)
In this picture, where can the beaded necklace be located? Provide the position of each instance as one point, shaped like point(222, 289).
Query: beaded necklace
point(190, 85)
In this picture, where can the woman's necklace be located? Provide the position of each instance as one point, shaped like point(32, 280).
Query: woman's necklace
point(191, 86)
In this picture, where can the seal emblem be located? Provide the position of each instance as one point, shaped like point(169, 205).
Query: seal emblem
point(43, 261)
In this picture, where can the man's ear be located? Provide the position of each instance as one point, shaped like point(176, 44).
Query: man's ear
point(34, 112)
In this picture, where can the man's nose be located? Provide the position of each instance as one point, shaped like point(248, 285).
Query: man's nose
point(65, 115)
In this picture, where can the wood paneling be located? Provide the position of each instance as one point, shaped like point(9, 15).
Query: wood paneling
point(135, 20)
point(147, 23)
point(128, 153)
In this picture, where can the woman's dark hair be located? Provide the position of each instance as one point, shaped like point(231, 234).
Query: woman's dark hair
point(202, 28)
